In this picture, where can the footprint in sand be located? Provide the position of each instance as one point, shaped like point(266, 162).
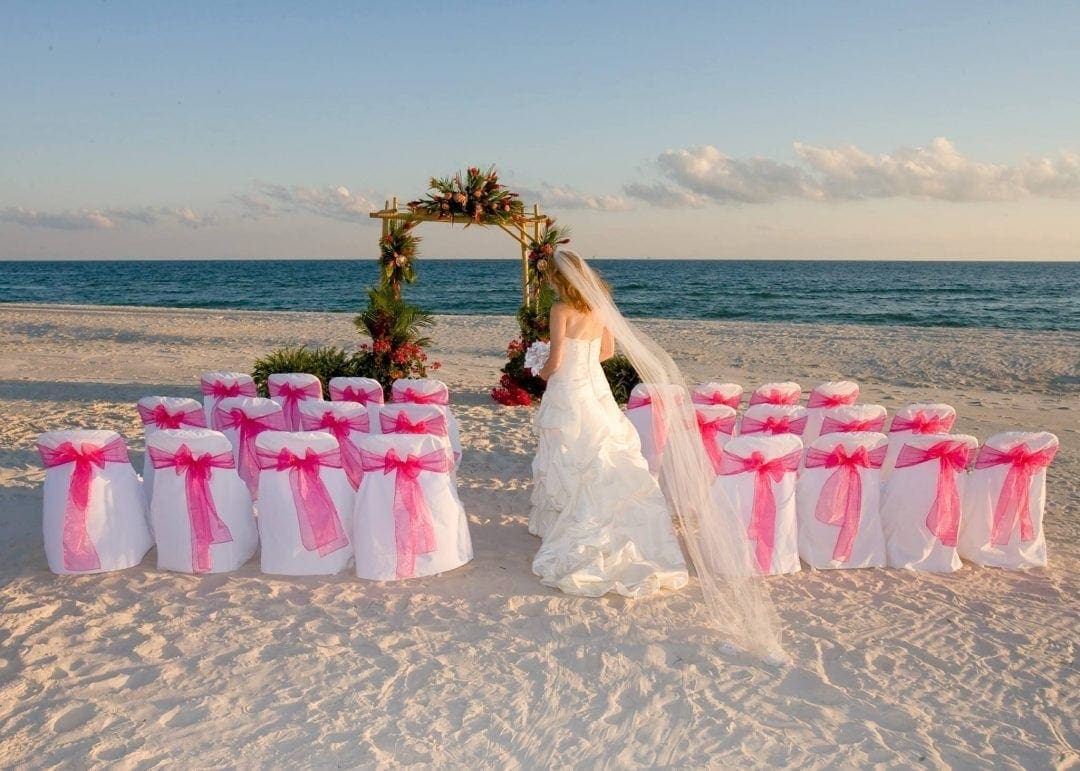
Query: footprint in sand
point(73, 718)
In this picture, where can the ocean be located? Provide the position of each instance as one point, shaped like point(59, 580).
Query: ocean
point(1006, 295)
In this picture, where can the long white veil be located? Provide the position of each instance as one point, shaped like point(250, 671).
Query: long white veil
point(737, 600)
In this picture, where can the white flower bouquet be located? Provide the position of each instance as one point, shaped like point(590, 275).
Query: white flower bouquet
point(536, 356)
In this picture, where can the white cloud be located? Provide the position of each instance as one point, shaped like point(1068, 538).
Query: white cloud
point(332, 202)
point(565, 197)
point(938, 172)
point(104, 219)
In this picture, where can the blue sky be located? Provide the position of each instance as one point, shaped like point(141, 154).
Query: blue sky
point(896, 130)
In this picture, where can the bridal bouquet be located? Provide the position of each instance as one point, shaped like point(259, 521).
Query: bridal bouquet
point(536, 356)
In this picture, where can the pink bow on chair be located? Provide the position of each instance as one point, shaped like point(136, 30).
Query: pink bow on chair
point(831, 425)
point(818, 399)
point(358, 395)
point(219, 389)
point(715, 399)
point(341, 426)
point(709, 430)
point(160, 417)
point(943, 519)
point(762, 528)
point(921, 423)
point(411, 396)
point(1014, 501)
point(247, 429)
point(291, 397)
point(402, 424)
point(79, 551)
point(774, 424)
point(840, 502)
point(774, 396)
point(414, 532)
point(206, 526)
point(320, 523)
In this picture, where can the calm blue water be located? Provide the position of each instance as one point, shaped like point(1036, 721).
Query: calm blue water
point(1015, 295)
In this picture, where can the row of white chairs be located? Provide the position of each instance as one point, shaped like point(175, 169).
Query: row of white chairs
point(401, 519)
point(91, 523)
point(1008, 480)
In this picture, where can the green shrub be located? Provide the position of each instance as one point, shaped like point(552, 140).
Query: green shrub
point(324, 363)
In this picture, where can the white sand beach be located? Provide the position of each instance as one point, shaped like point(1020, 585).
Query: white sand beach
point(486, 667)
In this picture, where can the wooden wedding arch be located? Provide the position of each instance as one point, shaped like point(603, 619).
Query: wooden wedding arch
point(524, 228)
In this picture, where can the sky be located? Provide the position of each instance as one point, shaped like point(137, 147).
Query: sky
point(860, 130)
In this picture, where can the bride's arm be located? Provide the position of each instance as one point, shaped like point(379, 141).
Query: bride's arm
point(557, 330)
point(607, 345)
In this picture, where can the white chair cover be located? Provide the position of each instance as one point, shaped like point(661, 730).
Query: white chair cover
point(160, 412)
point(716, 426)
point(289, 389)
point(430, 392)
point(716, 394)
point(650, 423)
point(201, 510)
point(409, 521)
point(921, 505)
point(93, 512)
point(1005, 500)
point(915, 419)
point(242, 419)
point(347, 421)
point(305, 504)
point(835, 393)
point(854, 417)
point(410, 418)
point(773, 419)
point(758, 476)
point(838, 502)
point(362, 390)
point(222, 385)
point(776, 393)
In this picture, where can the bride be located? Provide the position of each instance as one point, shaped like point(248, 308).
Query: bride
point(605, 523)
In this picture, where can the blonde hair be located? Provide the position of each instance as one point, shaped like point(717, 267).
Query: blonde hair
point(559, 282)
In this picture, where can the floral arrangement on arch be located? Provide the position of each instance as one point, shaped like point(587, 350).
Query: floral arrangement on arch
point(542, 249)
point(477, 197)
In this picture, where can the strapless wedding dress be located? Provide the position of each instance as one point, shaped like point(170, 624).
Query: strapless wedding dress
point(604, 522)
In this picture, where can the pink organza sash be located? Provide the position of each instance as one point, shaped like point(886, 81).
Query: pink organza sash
point(709, 430)
point(716, 398)
point(659, 421)
point(247, 428)
point(341, 427)
point(831, 425)
point(359, 395)
point(412, 396)
point(205, 524)
point(320, 523)
point(840, 502)
point(220, 389)
point(1014, 500)
point(774, 396)
point(79, 551)
point(921, 423)
point(943, 519)
point(762, 528)
point(402, 424)
point(160, 417)
point(819, 399)
point(774, 424)
point(291, 397)
point(414, 531)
